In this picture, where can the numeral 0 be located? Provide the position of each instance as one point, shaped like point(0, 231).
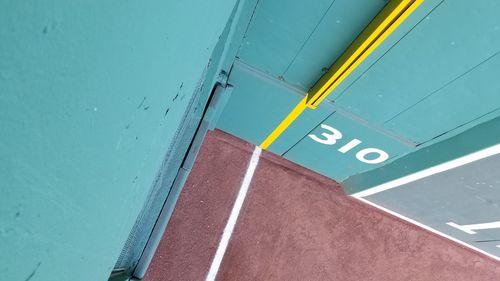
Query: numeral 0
point(333, 135)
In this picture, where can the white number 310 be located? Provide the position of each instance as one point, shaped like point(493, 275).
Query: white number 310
point(333, 135)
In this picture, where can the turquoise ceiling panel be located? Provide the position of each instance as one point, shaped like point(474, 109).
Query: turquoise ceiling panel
point(431, 79)
point(473, 97)
point(277, 32)
point(439, 50)
point(339, 26)
point(297, 42)
point(255, 105)
point(422, 13)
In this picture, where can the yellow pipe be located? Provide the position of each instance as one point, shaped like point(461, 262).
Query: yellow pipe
point(391, 16)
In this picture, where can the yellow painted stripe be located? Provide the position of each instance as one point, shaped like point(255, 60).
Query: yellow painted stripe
point(393, 14)
point(299, 108)
point(372, 36)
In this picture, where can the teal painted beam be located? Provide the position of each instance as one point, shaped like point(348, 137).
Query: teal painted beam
point(92, 96)
point(163, 195)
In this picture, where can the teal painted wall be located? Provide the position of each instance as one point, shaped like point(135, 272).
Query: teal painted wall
point(91, 96)
point(432, 79)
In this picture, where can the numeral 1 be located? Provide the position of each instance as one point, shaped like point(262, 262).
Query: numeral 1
point(350, 145)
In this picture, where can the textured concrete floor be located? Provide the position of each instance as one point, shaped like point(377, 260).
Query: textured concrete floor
point(296, 225)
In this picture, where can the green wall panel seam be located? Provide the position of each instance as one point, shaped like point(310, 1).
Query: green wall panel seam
point(455, 79)
point(385, 53)
point(307, 39)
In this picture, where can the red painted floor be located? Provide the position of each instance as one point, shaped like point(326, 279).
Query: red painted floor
point(296, 225)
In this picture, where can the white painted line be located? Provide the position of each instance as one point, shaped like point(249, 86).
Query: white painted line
point(431, 171)
point(233, 217)
point(464, 229)
point(428, 228)
point(469, 228)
